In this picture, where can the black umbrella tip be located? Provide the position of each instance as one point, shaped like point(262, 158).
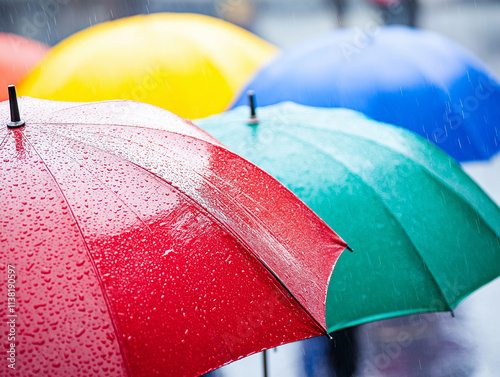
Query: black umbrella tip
point(349, 248)
point(452, 314)
point(15, 118)
point(253, 115)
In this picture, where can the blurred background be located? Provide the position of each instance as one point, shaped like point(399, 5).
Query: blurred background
point(474, 24)
point(436, 344)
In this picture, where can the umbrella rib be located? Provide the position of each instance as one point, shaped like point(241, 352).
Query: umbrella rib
point(132, 142)
point(383, 204)
point(209, 214)
point(425, 169)
point(236, 236)
point(208, 139)
point(464, 200)
point(257, 257)
point(125, 204)
point(100, 181)
point(114, 194)
point(159, 145)
point(98, 277)
point(177, 161)
point(4, 140)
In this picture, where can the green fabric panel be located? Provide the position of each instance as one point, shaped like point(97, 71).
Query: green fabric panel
point(424, 234)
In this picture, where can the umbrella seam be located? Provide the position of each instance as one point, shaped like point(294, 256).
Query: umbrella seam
point(212, 123)
point(126, 205)
point(4, 140)
point(238, 238)
point(159, 145)
point(208, 214)
point(368, 140)
point(96, 271)
point(204, 210)
point(212, 60)
point(101, 182)
point(425, 169)
point(386, 208)
point(260, 259)
point(178, 161)
point(209, 138)
point(463, 200)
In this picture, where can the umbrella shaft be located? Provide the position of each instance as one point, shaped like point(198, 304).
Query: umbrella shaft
point(265, 362)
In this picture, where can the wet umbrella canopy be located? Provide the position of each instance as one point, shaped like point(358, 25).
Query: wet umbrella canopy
point(17, 56)
point(412, 78)
point(189, 64)
point(424, 234)
point(145, 248)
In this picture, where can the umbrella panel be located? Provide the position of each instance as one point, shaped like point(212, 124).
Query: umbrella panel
point(124, 229)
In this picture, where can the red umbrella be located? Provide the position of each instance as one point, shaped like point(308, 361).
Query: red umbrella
point(140, 246)
point(17, 56)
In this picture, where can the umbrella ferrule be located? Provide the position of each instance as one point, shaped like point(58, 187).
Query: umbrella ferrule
point(15, 117)
point(253, 115)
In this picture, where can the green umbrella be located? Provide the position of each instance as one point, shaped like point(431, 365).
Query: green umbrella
point(425, 235)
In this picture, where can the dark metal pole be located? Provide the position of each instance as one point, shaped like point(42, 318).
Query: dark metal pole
point(253, 115)
point(265, 362)
point(15, 117)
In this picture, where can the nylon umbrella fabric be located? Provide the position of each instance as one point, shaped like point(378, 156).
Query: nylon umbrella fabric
point(411, 78)
point(429, 234)
point(189, 64)
point(18, 55)
point(143, 247)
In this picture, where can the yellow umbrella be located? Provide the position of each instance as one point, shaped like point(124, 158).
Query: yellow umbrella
point(189, 64)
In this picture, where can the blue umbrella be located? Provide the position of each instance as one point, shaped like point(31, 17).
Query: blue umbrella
point(411, 78)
